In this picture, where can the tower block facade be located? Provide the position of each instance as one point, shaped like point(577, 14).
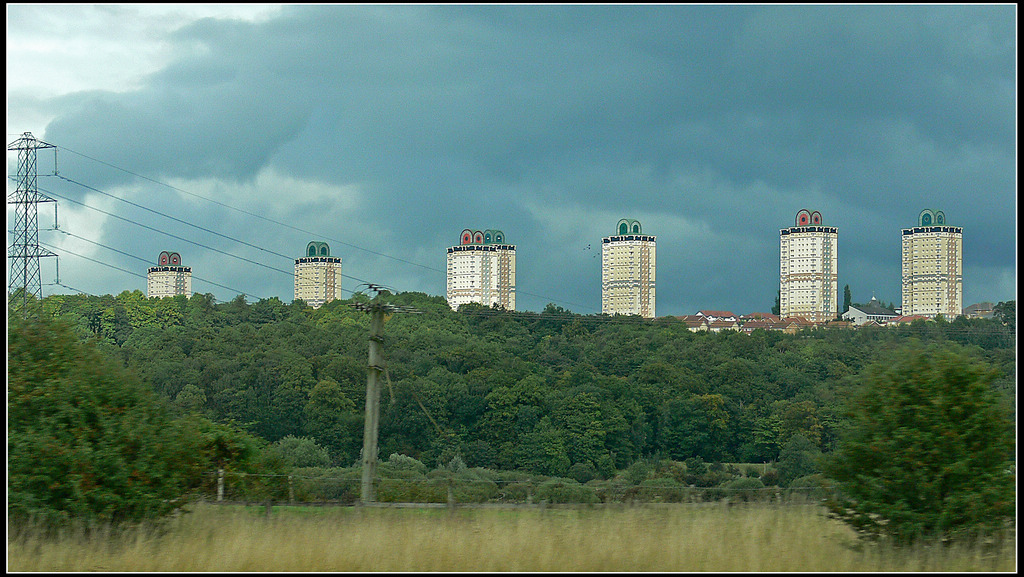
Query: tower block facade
point(482, 269)
point(169, 278)
point(628, 263)
point(809, 269)
point(318, 275)
point(933, 267)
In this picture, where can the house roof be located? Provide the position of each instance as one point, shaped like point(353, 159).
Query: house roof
point(723, 324)
point(758, 324)
point(980, 309)
point(763, 316)
point(692, 320)
point(874, 308)
point(715, 314)
point(797, 320)
point(908, 319)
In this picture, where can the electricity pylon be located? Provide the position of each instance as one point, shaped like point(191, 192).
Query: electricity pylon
point(24, 251)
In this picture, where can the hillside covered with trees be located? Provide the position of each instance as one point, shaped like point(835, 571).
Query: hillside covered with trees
point(548, 392)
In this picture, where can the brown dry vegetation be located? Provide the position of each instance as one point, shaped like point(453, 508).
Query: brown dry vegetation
point(709, 537)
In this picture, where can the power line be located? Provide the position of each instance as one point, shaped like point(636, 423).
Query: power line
point(236, 291)
point(259, 216)
point(289, 273)
point(148, 262)
point(186, 223)
point(204, 229)
point(86, 293)
point(270, 220)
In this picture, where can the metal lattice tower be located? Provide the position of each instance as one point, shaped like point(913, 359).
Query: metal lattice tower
point(24, 252)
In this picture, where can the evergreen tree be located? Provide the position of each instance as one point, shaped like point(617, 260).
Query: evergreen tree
point(929, 453)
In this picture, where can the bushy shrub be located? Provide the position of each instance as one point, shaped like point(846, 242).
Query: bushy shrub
point(743, 489)
point(399, 462)
point(607, 490)
point(695, 469)
point(455, 464)
point(816, 487)
point(770, 478)
point(662, 490)
point(473, 489)
point(712, 479)
point(412, 490)
point(515, 492)
point(582, 472)
point(328, 484)
point(696, 466)
point(677, 471)
point(400, 466)
point(301, 452)
point(474, 485)
point(559, 490)
point(605, 466)
point(340, 484)
point(637, 472)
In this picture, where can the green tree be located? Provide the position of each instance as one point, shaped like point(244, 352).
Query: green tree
point(580, 416)
point(85, 439)
point(543, 450)
point(929, 452)
point(847, 298)
point(693, 425)
point(777, 307)
point(332, 419)
point(1006, 313)
point(767, 437)
point(798, 458)
point(191, 399)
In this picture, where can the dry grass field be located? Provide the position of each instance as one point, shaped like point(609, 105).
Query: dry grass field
point(710, 537)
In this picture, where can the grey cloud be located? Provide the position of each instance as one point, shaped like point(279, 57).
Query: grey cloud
point(455, 116)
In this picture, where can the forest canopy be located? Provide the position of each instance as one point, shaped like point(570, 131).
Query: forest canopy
point(542, 392)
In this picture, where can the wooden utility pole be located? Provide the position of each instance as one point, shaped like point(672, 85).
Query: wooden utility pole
point(375, 367)
point(372, 420)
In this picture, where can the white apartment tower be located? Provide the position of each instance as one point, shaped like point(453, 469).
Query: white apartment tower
point(168, 278)
point(482, 269)
point(627, 271)
point(933, 267)
point(318, 275)
point(809, 269)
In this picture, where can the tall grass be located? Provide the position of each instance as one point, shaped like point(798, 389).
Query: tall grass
point(711, 537)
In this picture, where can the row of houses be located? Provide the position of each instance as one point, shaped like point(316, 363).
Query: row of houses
point(871, 314)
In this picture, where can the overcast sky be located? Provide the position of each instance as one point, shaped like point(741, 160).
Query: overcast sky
point(244, 132)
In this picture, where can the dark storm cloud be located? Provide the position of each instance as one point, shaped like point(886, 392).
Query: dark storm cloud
point(716, 122)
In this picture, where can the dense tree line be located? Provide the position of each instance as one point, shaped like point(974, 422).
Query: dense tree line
point(543, 392)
